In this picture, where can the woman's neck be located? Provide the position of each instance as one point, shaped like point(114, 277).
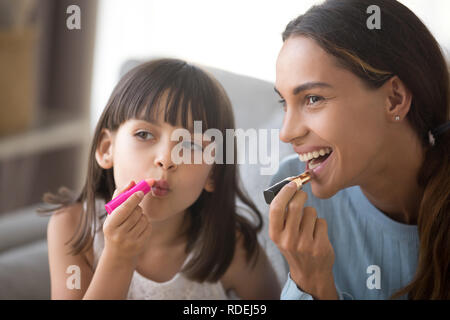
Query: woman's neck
point(393, 187)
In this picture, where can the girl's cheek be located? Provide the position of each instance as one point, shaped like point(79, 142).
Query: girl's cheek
point(194, 177)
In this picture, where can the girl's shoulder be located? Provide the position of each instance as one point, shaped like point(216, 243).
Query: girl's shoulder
point(63, 225)
point(66, 219)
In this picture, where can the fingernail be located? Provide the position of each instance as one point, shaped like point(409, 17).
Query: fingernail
point(292, 184)
point(140, 194)
point(298, 183)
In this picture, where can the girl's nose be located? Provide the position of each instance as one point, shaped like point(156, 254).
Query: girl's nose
point(293, 126)
point(164, 161)
point(166, 164)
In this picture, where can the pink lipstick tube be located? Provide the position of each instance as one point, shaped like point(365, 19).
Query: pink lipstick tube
point(117, 201)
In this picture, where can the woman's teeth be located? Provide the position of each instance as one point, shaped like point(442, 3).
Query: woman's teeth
point(314, 154)
point(313, 165)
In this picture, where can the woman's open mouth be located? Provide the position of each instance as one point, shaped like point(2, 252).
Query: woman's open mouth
point(317, 159)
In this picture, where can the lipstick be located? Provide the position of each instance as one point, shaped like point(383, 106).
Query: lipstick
point(117, 201)
point(300, 180)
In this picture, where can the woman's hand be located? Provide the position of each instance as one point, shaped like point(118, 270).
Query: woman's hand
point(303, 240)
point(127, 228)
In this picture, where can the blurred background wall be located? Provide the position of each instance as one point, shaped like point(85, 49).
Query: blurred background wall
point(45, 89)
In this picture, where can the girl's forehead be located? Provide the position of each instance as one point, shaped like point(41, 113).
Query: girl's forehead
point(158, 120)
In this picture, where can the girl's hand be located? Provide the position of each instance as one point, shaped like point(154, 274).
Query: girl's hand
point(127, 229)
point(303, 240)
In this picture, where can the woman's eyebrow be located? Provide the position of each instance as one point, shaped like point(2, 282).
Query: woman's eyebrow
point(307, 86)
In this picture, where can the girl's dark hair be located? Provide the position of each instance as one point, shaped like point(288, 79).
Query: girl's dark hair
point(403, 47)
point(213, 218)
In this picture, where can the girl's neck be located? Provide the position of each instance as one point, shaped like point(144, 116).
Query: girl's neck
point(170, 232)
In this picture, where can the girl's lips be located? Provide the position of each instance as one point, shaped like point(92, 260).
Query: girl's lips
point(160, 188)
point(162, 184)
point(158, 192)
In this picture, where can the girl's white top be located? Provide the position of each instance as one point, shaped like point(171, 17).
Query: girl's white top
point(142, 288)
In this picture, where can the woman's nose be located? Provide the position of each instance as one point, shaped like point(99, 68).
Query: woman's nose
point(293, 126)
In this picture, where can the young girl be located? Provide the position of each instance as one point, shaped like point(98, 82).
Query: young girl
point(184, 239)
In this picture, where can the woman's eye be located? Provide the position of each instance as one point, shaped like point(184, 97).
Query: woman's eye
point(283, 103)
point(143, 134)
point(192, 146)
point(313, 99)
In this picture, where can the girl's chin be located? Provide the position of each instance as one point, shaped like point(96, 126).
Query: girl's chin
point(158, 216)
point(159, 213)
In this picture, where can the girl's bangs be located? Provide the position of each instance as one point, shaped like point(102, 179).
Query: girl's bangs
point(183, 96)
point(180, 108)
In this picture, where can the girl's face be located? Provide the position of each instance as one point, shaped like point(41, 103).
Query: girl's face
point(328, 106)
point(140, 150)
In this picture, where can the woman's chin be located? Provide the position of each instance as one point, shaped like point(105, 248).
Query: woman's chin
point(322, 191)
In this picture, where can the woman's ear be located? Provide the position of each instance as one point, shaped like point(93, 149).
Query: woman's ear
point(399, 99)
point(209, 185)
point(103, 153)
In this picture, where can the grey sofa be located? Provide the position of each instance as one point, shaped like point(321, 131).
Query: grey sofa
point(24, 272)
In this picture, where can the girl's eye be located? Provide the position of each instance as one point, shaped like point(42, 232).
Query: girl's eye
point(313, 99)
point(192, 146)
point(142, 134)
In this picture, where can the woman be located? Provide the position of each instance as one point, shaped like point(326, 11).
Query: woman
point(372, 105)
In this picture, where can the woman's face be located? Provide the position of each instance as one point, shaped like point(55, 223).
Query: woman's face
point(328, 106)
point(142, 150)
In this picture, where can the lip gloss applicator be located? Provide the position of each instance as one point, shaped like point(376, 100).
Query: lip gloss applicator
point(300, 180)
point(117, 201)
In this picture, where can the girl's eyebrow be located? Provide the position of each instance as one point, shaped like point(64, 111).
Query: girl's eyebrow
point(157, 124)
point(150, 121)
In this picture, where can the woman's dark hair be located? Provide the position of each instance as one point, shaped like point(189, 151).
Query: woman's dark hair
point(213, 218)
point(405, 48)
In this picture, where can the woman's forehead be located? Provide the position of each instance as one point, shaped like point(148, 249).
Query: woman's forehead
point(302, 58)
point(302, 61)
